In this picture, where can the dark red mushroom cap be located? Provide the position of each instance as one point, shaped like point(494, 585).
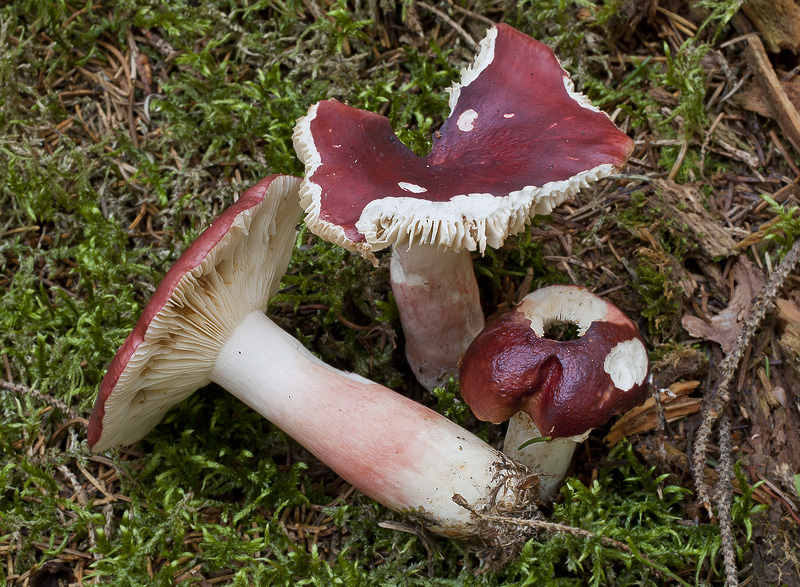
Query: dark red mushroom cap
point(517, 143)
point(232, 269)
point(566, 387)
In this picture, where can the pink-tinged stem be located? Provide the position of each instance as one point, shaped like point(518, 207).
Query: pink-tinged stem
point(439, 305)
point(400, 453)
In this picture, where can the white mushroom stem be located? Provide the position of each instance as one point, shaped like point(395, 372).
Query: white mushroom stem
point(439, 305)
point(400, 453)
point(549, 459)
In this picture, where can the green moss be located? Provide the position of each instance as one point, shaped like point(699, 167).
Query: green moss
point(659, 243)
point(786, 229)
point(215, 489)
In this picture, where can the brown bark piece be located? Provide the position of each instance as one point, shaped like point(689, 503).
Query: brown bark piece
point(778, 21)
point(785, 113)
point(683, 203)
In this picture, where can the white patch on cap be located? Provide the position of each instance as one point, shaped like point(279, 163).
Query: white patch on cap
point(411, 187)
point(626, 364)
point(466, 121)
point(510, 115)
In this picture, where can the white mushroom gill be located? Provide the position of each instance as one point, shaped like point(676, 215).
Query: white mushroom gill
point(580, 98)
point(311, 192)
point(182, 341)
point(490, 219)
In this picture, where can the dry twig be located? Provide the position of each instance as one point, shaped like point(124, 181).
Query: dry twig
point(718, 398)
point(50, 400)
point(785, 112)
point(564, 529)
point(724, 496)
point(456, 27)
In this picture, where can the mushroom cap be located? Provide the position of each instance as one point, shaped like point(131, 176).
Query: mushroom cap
point(519, 140)
point(233, 268)
point(566, 387)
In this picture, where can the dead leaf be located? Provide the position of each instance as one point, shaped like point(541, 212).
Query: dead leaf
point(724, 328)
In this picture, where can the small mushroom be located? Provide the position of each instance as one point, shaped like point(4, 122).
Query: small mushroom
point(519, 141)
point(206, 323)
point(558, 390)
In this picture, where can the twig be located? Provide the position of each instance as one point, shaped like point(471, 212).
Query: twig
point(564, 529)
point(715, 401)
point(475, 15)
point(679, 161)
point(724, 496)
point(661, 417)
point(457, 27)
point(50, 400)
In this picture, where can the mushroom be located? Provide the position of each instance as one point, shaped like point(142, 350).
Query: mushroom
point(206, 323)
point(554, 391)
point(519, 140)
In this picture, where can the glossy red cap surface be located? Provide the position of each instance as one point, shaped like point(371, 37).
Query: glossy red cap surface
point(517, 136)
point(566, 387)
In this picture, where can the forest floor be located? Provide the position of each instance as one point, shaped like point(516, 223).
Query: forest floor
point(126, 127)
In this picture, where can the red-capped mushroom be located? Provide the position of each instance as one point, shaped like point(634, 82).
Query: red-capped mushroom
point(519, 140)
point(554, 389)
point(206, 323)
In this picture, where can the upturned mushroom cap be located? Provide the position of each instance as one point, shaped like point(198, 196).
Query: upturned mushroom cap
point(232, 269)
point(519, 140)
point(569, 387)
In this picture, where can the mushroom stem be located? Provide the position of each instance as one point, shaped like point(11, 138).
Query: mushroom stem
point(440, 310)
point(398, 452)
point(550, 459)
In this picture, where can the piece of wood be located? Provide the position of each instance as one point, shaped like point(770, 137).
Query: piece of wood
point(778, 21)
point(785, 113)
point(643, 418)
point(684, 205)
point(753, 98)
